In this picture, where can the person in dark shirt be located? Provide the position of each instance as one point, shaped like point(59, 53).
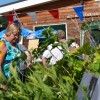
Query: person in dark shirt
point(23, 64)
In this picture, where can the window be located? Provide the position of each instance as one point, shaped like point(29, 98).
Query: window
point(62, 26)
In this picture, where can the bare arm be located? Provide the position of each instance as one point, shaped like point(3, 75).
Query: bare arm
point(45, 56)
point(44, 61)
point(29, 58)
point(3, 51)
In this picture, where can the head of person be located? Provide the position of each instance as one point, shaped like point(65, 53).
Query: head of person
point(13, 32)
point(60, 35)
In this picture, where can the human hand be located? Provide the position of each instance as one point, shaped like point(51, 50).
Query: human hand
point(29, 64)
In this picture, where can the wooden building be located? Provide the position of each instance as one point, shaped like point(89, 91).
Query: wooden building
point(66, 15)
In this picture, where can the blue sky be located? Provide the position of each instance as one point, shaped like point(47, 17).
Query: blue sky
point(3, 2)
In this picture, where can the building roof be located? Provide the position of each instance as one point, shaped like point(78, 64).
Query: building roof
point(9, 5)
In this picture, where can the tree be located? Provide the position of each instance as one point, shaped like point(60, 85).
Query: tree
point(3, 23)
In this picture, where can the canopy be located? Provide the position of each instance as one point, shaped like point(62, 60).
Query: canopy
point(29, 34)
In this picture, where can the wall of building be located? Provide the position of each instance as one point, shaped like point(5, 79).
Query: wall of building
point(65, 9)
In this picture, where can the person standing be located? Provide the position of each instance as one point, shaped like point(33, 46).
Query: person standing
point(23, 65)
point(7, 51)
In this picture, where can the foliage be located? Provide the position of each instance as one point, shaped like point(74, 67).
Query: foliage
point(91, 25)
point(50, 38)
point(59, 82)
point(3, 22)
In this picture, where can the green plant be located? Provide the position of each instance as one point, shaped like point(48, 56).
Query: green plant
point(59, 82)
point(3, 22)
